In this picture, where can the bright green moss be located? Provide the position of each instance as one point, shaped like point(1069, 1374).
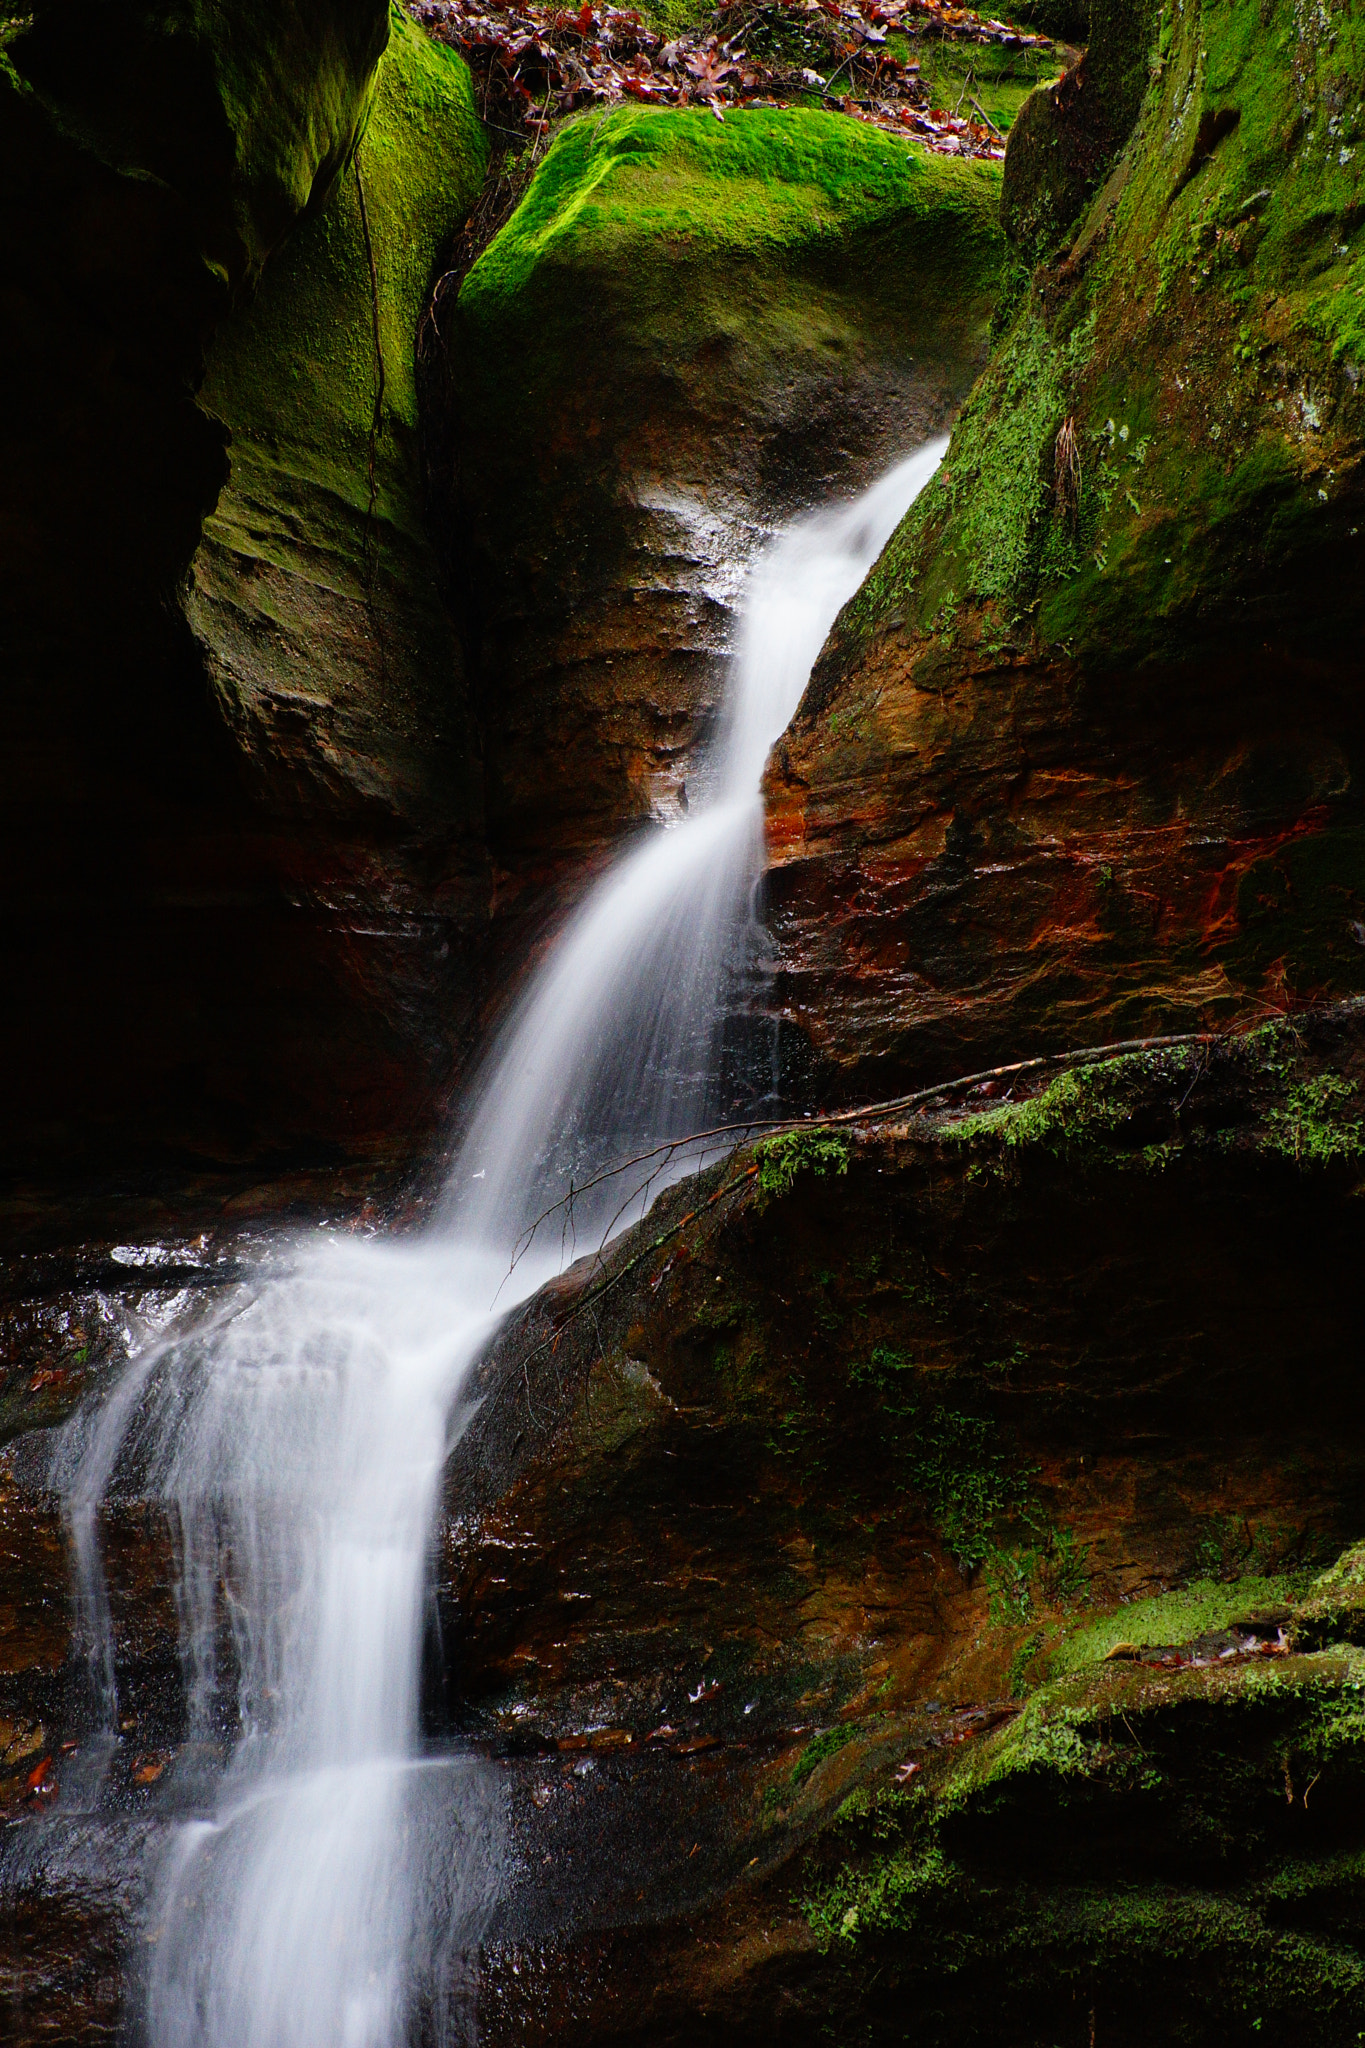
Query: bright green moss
point(1198, 1609)
point(1313, 1127)
point(663, 266)
point(781, 1159)
point(1084, 1106)
point(294, 374)
point(1208, 354)
point(768, 180)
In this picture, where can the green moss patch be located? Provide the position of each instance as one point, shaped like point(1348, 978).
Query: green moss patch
point(1179, 1617)
point(316, 577)
point(295, 375)
point(669, 277)
point(764, 181)
point(1199, 335)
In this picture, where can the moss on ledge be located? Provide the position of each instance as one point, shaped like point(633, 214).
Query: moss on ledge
point(659, 254)
point(1136, 1841)
point(686, 332)
point(767, 179)
point(1202, 329)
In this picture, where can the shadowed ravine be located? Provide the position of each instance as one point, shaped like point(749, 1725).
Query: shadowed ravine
point(323, 1887)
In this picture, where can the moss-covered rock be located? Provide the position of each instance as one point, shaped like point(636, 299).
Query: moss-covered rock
point(315, 595)
point(272, 872)
point(315, 589)
point(900, 1558)
point(1068, 136)
point(1099, 699)
point(687, 328)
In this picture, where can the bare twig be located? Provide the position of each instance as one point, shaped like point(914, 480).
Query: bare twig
point(974, 101)
point(866, 1113)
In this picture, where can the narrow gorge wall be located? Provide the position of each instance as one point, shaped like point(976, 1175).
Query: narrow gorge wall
point(1082, 757)
point(212, 942)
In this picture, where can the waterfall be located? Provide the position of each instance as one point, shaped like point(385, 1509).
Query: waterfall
point(313, 1887)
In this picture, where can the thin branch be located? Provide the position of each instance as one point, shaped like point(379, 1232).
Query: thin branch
point(588, 1301)
point(873, 1112)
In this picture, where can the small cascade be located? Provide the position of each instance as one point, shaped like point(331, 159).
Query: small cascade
point(323, 1879)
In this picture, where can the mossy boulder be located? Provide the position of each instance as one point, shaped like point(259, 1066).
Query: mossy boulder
point(687, 329)
point(1333, 1609)
point(315, 596)
point(315, 589)
point(1089, 735)
point(1068, 135)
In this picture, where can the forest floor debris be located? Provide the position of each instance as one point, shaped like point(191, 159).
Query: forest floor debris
point(533, 64)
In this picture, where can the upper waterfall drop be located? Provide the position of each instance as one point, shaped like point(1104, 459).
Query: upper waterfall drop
point(298, 1435)
point(613, 1046)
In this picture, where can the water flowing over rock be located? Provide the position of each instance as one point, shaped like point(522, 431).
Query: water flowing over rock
point(687, 331)
point(835, 1507)
point(289, 1441)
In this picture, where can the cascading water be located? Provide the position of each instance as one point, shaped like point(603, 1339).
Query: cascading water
point(299, 1433)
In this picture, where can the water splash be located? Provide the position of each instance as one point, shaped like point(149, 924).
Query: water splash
point(324, 1878)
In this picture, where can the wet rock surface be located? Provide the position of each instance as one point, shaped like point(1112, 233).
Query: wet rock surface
point(923, 1527)
point(901, 1567)
point(688, 331)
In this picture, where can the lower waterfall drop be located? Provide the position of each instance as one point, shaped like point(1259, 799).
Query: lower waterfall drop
point(312, 1895)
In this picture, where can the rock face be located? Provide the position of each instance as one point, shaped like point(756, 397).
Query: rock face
point(891, 1575)
point(687, 330)
point(248, 776)
point(913, 1570)
point(1080, 758)
point(334, 664)
point(212, 961)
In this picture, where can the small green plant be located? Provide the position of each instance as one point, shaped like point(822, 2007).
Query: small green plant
point(828, 1743)
point(781, 1159)
point(1309, 1129)
point(1223, 1547)
point(1020, 1661)
point(1063, 1572)
point(956, 1462)
point(1009, 1582)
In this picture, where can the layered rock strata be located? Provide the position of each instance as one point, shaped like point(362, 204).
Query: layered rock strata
point(687, 330)
point(1080, 758)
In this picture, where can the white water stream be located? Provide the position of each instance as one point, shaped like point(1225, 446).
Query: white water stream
point(299, 1434)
